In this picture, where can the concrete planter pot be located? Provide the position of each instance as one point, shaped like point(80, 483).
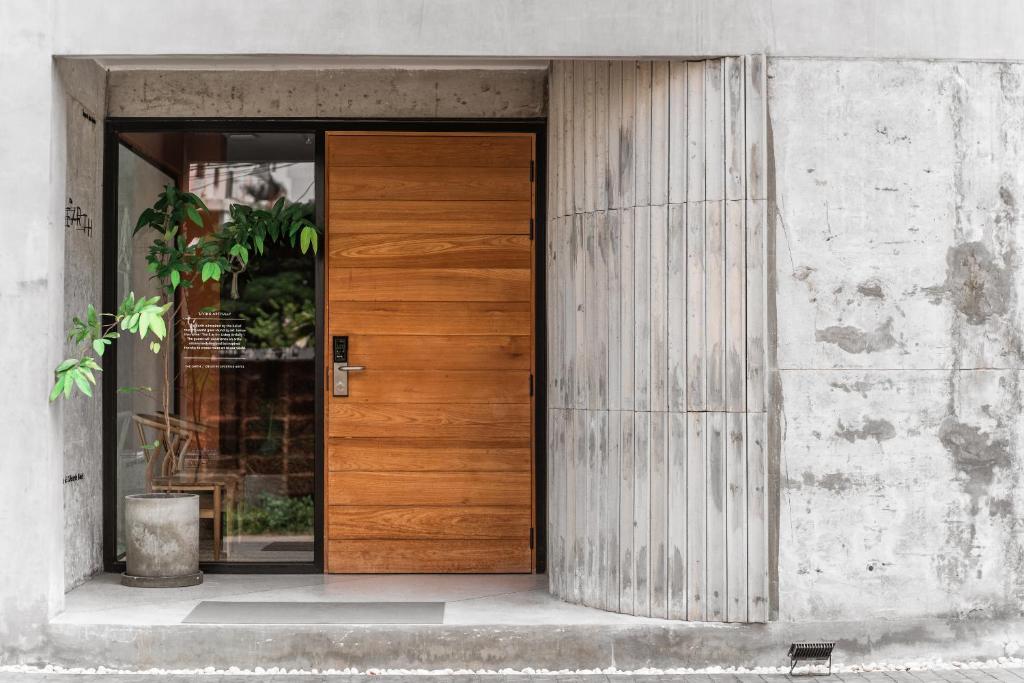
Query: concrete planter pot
point(162, 539)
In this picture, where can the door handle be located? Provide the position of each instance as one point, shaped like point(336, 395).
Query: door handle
point(340, 382)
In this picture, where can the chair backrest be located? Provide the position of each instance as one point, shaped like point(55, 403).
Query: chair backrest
point(172, 454)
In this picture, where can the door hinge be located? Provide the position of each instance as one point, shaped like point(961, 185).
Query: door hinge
point(531, 384)
point(531, 538)
point(531, 170)
point(531, 229)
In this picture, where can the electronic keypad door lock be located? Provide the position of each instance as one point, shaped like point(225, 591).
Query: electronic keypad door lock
point(341, 366)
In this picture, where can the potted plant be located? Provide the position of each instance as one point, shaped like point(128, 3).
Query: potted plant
point(162, 527)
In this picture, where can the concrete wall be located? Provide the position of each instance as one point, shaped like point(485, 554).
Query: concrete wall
point(657, 420)
point(342, 93)
point(84, 85)
point(975, 29)
point(31, 293)
point(899, 188)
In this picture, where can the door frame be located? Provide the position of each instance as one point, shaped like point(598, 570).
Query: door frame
point(318, 127)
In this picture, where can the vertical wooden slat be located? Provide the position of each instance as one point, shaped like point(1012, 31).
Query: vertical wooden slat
point(696, 366)
point(696, 516)
point(627, 144)
point(659, 514)
point(614, 126)
point(613, 262)
point(555, 113)
point(582, 384)
point(612, 506)
point(736, 517)
point(567, 292)
point(715, 303)
point(579, 140)
point(695, 131)
point(714, 131)
point(642, 514)
point(569, 508)
point(627, 450)
point(591, 567)
point(568, 138)
point(560, 428)
point(676, 305)
point(642, 307)
point(591, 303)
point(735, 309)
point(581, 470)
point(642, 153)
point(627, 306)
point(677, 150)
point(589, 136)
point(606, 497)
point(757, 518)
point(659, 132)
point(601, 135)
point(735, 131)
point(756, 127)
point(716, 528)
point(756, 220)
point(659, 308)
point(600, 311)
point(677, 519)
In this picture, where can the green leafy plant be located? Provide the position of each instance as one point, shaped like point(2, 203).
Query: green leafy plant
point(178, 264)
point(273, 514)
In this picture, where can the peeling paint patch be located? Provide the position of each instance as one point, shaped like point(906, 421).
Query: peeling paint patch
point(873, 428)
point(855, 340)
point(979, 284)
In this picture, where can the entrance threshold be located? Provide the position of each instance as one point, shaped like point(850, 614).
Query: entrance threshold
point(489, 622)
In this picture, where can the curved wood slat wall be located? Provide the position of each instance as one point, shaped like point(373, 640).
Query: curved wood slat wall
point(656, 338)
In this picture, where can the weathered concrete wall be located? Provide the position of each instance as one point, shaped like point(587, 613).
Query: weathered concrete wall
point(342, 93)
point(657, 416)
point(84, 85)
point(965, 29)
point(31, 290)
point(899, 188)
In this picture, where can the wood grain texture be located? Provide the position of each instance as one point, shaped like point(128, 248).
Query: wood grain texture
point(696, 517)
point(696, 342)
point(735, 308)
point(735, 130)
point(659, 514)
point(589, 136)
point(678, 522)
point(757, 517)
point(376, 386)
point(660, 133)
point(441, 352)
point(627, 137)
point(398, 488)
point(412, 455)
point(431, 251)
point(714, 131)
point(716, 586)
point(755, 78)
point(627, 307)
point(430, 151)
point(430, 284)
point(429, 522)
point(642, 150)
point(642, 514)
point(756, 305)
point(613, 132)
point(412, 183)
point(627, 448)
point(736, 517)
point(695, 131)
point(435, 421)
point(676, 309)
point(659, 307)
point(428, 556)
point(430, 318)
point(642, 265)
point(714, 292)
point(677, 149)
point(388, 216)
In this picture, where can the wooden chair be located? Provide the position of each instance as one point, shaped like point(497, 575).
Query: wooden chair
point(176, 475)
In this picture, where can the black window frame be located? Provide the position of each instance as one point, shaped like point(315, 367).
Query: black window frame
point(114, 126)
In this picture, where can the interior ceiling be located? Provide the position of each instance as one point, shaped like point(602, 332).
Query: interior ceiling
point(272, 62)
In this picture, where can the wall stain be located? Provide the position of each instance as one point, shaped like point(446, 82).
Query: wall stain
point(855, 340)
point(871, 288)
point(979, 284)
point(975, 454)
point(873, 428)
point(860, 386)
point(836, 482)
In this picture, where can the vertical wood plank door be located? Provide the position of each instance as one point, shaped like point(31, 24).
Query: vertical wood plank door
point(430, 274)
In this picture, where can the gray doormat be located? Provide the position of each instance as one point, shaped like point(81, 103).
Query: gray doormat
point(289, 546)
point(214, 612)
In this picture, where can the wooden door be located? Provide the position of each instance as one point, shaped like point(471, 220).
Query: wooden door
point(430, 274)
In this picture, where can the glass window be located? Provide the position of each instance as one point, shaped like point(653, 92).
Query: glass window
point(239, 359)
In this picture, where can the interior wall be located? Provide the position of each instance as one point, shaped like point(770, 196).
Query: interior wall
point(657, 458)
point(84, 103)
